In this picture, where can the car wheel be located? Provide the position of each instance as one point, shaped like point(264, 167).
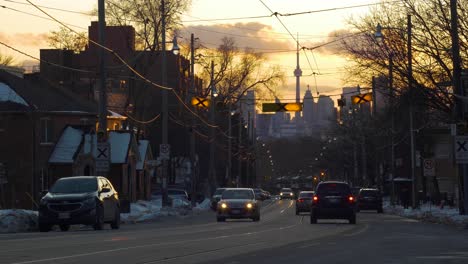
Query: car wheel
point(44, 227)
point(99, 222)
point(221, 219)
point(116, 223)
point(297, 212)
point(380, 210)
point(64, 227)
point(352, 219)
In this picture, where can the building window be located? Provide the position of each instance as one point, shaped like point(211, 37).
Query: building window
point(46, 131)
point(123, 84)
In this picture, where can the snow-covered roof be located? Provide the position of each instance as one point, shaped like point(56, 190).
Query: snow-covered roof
point(66, 147)
point(9, 95)
point(120, 142)
point(142, 148)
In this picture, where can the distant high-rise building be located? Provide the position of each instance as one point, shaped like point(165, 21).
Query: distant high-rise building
point(308, 110)
point(325, 108)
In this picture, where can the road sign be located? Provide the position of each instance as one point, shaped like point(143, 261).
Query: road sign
point(164, 151)
point(461, 149)
point(282, 107)
point(429, 167)
point(200, 102)
point(361, 98)
point(103, 157)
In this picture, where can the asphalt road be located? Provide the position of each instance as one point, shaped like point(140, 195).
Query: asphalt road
point(280, 237)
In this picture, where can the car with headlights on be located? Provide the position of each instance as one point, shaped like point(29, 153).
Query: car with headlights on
point(304, 201)
point(333, 200)
point(216, 198)
point(237, 203)
point(87, 200)
point(286, 193)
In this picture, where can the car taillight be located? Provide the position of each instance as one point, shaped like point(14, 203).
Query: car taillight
point(351, 198)
point(300, 200)
point(315, 199)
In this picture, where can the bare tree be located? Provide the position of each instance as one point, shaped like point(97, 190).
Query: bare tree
point(7, 60)
point(238, 71)
point(431, 44)
point(65, 39)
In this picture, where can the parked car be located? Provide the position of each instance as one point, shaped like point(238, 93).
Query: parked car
point(216, 197)
point(370, 199)
point(286, 193)
point(87, 200)
point(304, 201)
point(173, 194)
point(266, 194)
point(238, 203)
point(259, 194)
point(333, 200)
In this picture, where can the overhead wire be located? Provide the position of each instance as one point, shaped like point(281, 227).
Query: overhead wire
point(141, 121)
point(52, 8)
point(128, 66)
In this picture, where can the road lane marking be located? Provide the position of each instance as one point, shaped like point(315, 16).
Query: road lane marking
point(364, 229)
point(310, 245)
point(147, 245)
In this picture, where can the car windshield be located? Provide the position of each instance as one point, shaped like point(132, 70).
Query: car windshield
point(219, 191)
point(306, 194)
point(286, 190)
point(371, 193)
point(238, 194)
point(74, 185)
point(333, 188)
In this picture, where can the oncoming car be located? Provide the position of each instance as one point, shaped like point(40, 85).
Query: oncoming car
point(238, 203)
point(286, 193)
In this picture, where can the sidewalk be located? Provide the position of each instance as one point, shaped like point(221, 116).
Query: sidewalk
point(429, 213)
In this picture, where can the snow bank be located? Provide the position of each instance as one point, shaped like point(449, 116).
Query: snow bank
point(430, 213)
point(205, 205)
point(17, 220)
point(142, 211)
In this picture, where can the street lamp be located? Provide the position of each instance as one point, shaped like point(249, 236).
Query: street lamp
point(175, 47)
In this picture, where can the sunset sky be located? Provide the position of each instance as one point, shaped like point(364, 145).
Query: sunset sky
point(28, 33)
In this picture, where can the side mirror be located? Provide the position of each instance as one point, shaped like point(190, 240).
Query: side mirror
point(44, 192)
point(105, 190)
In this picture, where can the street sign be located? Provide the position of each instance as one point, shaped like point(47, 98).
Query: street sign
point(429, 167)
point(103, 157)
point(461, 149)
point(200, 102)
point(282, 107)
point(164, 151)
point(361, 98)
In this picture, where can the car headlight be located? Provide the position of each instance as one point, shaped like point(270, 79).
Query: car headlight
point(249, 206)
point(291, 194)
point(281, 193)
point(224, 205)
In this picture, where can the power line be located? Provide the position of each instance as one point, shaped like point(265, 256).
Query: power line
point(335, 9)
point(226, 19)
point(52, 8)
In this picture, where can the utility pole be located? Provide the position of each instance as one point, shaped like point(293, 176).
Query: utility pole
point(229, 170)
point(192, 121)
point(374, 98)
point(212, 172)
point(459, 112)
point(239, 153)
point(392, 109)
point(248, 165)
point(411, 90)
point(164, 105)
point(102, 69)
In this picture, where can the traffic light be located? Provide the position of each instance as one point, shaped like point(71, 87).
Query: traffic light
point(361, 98)
point(282, 107)
point(200, 102)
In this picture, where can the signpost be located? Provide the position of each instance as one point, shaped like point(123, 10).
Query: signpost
point(461, 149)
point(429, 167)
point(361, 98)
point(103, 157)
point(164, 151)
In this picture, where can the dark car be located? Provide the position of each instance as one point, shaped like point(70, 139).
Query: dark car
point(304, 201)
point(87, 200)
point(370, 199)
point(238, 203)
point(286, 193)
point(259, 194)
point(333, 200)
point(216, 197)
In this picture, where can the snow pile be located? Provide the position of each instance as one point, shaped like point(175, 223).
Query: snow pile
point(203, 206)
point(430, 213)
point(142, 211)
point(17, 220)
